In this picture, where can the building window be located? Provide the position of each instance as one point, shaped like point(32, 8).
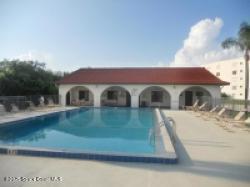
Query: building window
point(241, 70)
point(112, 95)
point(241, 78)
point(234, 72)
point(218, 74)
point(156, 96)
point(240, 93)
point(234, 87)
point(84, 95)
point(241, 63)
point(240, 86)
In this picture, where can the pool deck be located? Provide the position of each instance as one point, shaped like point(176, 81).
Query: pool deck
point(208, 156)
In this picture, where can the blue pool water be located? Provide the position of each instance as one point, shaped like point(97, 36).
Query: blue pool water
point(122, 130)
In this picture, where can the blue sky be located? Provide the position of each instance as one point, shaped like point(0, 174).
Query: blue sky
point(72, 34)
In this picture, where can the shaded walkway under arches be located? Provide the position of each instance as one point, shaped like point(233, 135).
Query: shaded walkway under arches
point(116, 96)
point(155, 96)
point(79, 96)
point(191, 94)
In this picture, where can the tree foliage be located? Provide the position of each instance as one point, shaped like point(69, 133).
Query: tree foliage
point(242, 41)
point(27, 78)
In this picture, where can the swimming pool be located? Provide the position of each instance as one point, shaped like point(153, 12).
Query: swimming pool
point(106, 133)
point(89, 129)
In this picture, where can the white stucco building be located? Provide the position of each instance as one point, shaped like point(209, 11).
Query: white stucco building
point(233, 71)
point(140, 87)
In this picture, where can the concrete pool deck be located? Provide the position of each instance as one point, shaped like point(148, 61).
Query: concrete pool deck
point(208, 156)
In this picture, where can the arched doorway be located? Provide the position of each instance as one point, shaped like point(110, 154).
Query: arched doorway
point(116, 96)
point(79, 96)
point(68, 98)
point(155, 96)
point(189, 96)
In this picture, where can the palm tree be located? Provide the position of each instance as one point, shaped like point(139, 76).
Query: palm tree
point(242, 42)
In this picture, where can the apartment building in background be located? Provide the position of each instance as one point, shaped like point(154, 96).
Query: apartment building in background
point(233, 71)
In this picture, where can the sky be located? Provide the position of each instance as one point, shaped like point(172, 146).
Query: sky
point(70, 34)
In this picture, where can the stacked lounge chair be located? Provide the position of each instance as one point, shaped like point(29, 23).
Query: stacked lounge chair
point(214, 114)
point(50, 103)
point(221, 114)
point(14, 108)
point(210, 112)
point(193, 107)
point(238, 119)
point(2, 110)
point(202, 107)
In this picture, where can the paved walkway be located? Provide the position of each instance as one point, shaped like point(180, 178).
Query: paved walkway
point(209, 156)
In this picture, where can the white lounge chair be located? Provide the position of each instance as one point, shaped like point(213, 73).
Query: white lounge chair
point(31, 106)
point(14, 108)
point(210, 112)
point(216, 115)
point(193, 107)
point(202, 107)
point(220, 114)
point(238, 118)
point(51, 103)
point(2, 110)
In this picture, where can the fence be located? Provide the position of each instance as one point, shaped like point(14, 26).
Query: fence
point(234, 104)
point(229, 103)
point(23, 102)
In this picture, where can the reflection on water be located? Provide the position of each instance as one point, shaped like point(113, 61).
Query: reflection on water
point(110, 116)
point(102, 129)
point(33, 129)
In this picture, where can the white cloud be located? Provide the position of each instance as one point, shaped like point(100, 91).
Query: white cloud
point(201, 46)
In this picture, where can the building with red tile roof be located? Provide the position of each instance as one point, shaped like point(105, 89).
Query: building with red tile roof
point(140, 87)
point(142, 76)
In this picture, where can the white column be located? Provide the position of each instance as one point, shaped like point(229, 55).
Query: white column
point(174, 103)
point(134, 101)
point(134, 97)
point(215, 95)
point(62, 99)
point(174, 98)
point(62, 96)
point(97, 99)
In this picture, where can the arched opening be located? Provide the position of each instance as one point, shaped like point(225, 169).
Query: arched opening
point(190, 95)
point(155, 96)
point(68, 98)
point(115, 96)
point(79, 96)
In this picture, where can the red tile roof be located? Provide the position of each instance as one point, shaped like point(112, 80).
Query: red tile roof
point(193, 76)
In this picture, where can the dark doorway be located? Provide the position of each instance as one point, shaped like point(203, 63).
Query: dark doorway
point(188, 98)
point(128, 99)
point(68, 98)
point(157, 96)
